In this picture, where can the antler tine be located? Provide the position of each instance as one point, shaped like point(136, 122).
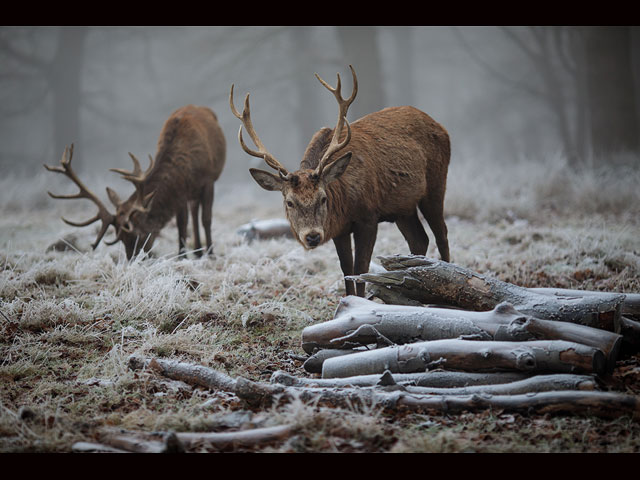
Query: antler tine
point(136, 176)
point(245, 118)
point(343, 107)
point(103, 214)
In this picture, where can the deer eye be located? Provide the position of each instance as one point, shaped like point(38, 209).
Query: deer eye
point(289, 204)
point(323, 200)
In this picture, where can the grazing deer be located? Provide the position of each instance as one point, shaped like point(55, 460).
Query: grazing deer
point(397, 161)
point(189, 159)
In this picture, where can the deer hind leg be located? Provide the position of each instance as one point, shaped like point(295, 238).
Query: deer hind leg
point(413, 232)
point(207, 208)
point(432, 207)
point(197, 245)
point(364, 239)
point(345, 255)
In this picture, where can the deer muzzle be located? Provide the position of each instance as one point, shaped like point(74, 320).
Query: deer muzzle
point(312, 238)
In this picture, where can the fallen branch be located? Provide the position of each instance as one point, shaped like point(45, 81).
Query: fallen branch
point(360, 322)
point(431, 281)
point(120, 440)
point(604, 404)
point(90, 447)
point(470, 355)
point(141, 442)
point(432, 378)
point(231, 440)
point(537, 383)
point(600, 404)
point(186, 372)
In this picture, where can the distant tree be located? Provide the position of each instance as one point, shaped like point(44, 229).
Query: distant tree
point(360, 49)
point(403, 74)
point(611, 89)
point(307, 104)
point(584, 77)
point(60, 75)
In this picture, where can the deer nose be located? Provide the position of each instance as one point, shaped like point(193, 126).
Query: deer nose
point(313, 239)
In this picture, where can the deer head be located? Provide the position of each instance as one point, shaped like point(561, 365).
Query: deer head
point(129, 218)
point(304, 191)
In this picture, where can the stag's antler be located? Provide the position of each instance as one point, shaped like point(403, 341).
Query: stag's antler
point(343, 106)
point(103, 214)
point(262, 152)
point(137, 177)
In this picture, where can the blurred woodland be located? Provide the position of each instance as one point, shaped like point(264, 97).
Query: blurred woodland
point(501, 92)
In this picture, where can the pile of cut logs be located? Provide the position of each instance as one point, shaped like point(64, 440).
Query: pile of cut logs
point(485, 343)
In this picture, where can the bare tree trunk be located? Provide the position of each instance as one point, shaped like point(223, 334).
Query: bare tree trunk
point(306, 85)
point(612, 90)
point(65, 78)
point(403, 75)
point(360, 48)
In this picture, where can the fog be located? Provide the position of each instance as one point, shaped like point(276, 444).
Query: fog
point(502, 93)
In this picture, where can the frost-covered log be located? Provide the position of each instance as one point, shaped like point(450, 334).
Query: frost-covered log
point(265, 229)
point(630, 304)
point(471, 355)
point(629, 326)
point(431, 281)
point(313, 364)
point(432, 378)
point(358, 322)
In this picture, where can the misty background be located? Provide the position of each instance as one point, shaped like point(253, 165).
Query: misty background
point(503, 93)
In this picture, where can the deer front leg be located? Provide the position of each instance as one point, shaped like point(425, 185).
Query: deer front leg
point(345, 255)
point(182, 217)
point(364, 239)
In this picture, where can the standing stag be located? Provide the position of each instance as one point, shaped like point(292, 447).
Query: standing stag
point(397, 161)
point(189, 159)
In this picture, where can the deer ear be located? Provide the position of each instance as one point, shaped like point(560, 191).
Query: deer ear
point(336, 169)
point(113, 196)
point(267, 180)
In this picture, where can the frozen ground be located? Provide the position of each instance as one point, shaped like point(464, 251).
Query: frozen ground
point(70, 319)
